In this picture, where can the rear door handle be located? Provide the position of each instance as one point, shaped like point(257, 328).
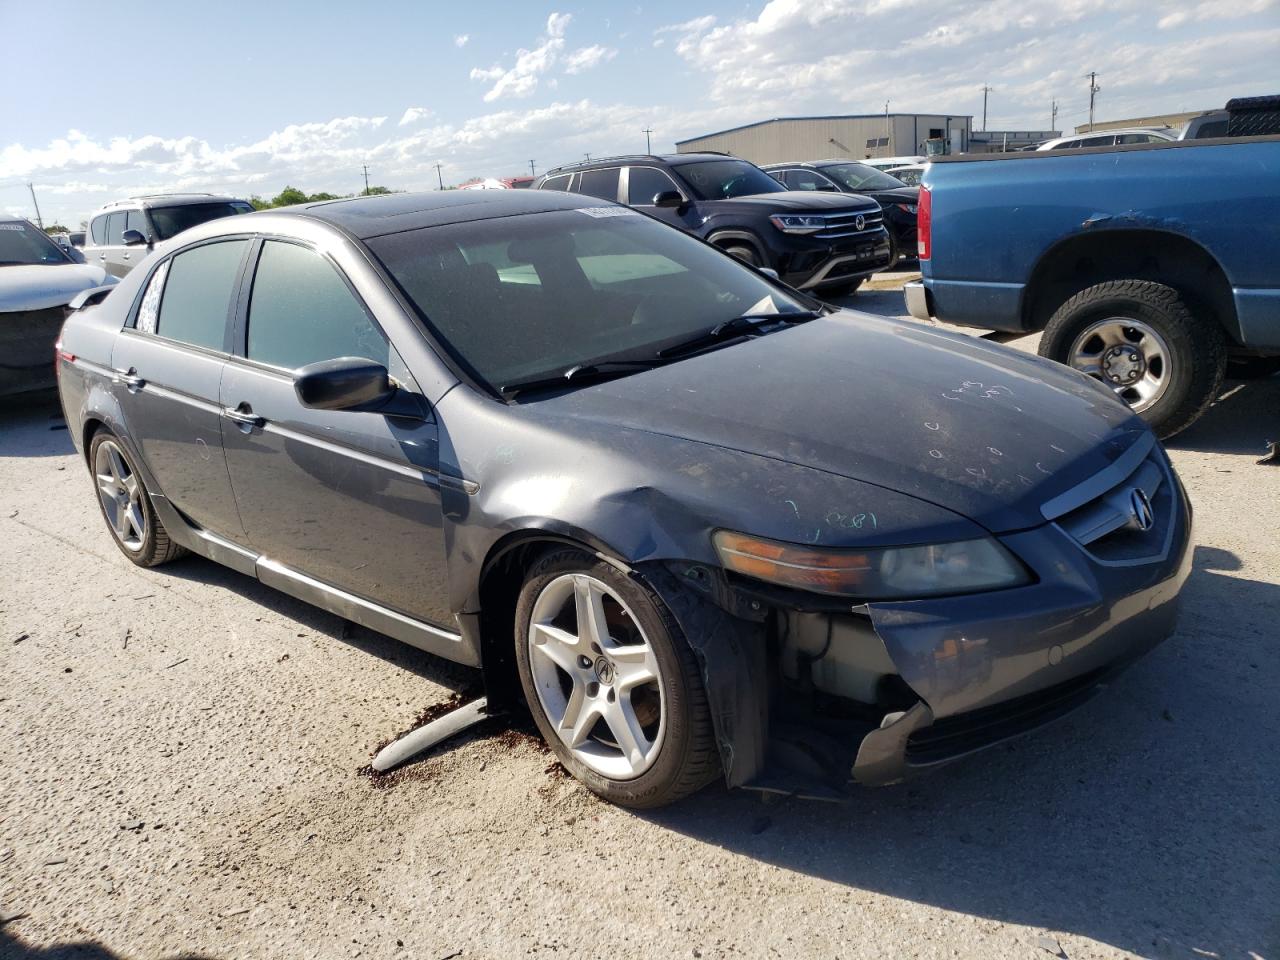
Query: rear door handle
point(129, 378)
point(244, 416)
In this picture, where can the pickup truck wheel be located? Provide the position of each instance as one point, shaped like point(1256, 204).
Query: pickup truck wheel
point(745, 254)
point(612, 683)
point(1139, 338)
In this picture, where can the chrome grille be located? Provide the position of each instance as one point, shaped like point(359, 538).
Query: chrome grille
point(844, 224)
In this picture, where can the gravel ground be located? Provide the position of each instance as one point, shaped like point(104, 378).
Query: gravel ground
point(181, 751)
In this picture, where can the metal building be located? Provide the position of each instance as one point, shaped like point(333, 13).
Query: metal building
point(858, 136)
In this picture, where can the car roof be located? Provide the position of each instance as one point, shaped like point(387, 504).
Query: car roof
point(165, 200)
point(640, 159)
point(815, 164)
point(366, 217)
point(1163, 132)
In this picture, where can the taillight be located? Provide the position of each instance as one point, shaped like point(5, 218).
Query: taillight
point(924, 223)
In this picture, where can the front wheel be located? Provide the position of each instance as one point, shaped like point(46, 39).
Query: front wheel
point(744, 253)
point(845, 289)
point(1139, 338)
point(612, 684)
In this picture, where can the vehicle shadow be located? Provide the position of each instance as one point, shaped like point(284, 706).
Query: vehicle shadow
point(435, 669)
point(1242, 420)
point(31, 425)
point(11, 948)
point(1148, 820)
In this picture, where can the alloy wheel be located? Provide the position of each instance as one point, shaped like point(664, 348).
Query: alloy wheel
point(596, 676)
point(121, 495)
point(1127, 355)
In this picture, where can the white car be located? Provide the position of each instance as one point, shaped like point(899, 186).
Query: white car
point(37, 281)
point(886, 163)
point(1111, 138)
point(911, 174)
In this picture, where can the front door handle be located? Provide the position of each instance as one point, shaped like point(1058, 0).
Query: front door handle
point(129, 378)
point(244, 417)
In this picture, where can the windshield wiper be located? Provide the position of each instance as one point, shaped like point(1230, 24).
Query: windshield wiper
point(736, 327)
point(579, 374)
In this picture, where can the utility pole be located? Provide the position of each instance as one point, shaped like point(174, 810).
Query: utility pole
point(1093, 92)
point(35, 203)
point(531, 170)
point(366, 179)
point(648, 148)
point(985, 91)
point(1053, 115)
point(588, 156)
point(440, 176)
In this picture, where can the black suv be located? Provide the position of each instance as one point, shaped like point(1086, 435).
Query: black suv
point(814, 241)
point(896, 199)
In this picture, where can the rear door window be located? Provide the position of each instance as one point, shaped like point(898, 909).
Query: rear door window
point(98, 230)
point(137, 220)
point(115, 228)
point(197, 294)
point(301, 311)
point(599, 183)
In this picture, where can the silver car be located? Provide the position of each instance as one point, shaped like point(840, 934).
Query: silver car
point(121, 233)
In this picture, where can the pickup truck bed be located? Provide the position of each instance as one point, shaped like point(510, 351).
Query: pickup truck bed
point(1178, 243)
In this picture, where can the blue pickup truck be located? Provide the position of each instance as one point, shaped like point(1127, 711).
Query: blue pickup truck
point(1149, 267)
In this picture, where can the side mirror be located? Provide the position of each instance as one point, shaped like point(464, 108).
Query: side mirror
point(668, 198)
point(133, 238)
point(343, 384)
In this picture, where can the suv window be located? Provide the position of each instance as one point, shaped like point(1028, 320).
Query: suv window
point(197, 293)
point(807, 180)
point(115, 228)
point(556, 183)
point(599, 183)
point(301, 311)
point(136, 220)
point(645, 183)
point(170, 221)
point(98, 229)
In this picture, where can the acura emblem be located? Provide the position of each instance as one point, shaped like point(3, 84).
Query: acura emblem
point(860, 222)
point(1140, 505)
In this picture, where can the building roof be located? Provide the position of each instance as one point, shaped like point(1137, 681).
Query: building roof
point(837, 116)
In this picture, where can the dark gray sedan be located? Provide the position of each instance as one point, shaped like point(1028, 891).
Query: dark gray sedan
point(700, 523)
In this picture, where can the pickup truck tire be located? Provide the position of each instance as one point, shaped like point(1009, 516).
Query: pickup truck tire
point(1188, 357)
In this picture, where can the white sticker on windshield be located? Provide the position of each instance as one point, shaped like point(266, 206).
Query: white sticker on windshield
point(607, 211)
point(13, 226)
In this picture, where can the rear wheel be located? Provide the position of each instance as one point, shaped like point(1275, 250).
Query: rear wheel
point(612, 684)
point(126, 506)
point(1139, 339)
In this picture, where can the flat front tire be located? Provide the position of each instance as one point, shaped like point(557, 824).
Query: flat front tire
point(1140, 339)
point(611, 682)
point(126, 504)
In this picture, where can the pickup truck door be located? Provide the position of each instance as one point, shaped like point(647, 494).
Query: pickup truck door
point(167, 368)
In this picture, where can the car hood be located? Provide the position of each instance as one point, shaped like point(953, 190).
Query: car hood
point(37, 286)
point(978, 429)
point(894, 195)
point(807, 200)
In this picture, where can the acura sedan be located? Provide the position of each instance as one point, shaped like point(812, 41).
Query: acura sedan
point(702, 525)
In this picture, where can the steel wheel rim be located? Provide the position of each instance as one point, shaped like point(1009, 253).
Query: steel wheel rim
point(1128, 356)
point(120, 494)
point(597, 679)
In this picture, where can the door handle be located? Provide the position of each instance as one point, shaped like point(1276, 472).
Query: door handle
point(129, 378)
point(244, 417)
point(102, 257)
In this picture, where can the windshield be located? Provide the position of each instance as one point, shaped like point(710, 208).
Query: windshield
point(858, 176)
point(23, 244)
point(518, 298)
point(725, 179)
point(910, 176)
point(170, 221)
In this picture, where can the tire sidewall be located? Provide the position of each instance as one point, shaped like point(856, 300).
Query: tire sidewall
point(662, 633)
point(147, 554)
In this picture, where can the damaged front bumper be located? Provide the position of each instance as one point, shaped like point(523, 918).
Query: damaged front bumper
point(813, 701)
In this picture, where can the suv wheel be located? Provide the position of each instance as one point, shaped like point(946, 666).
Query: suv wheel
point(612, 684)
point(744, 253)
point(126, 505)
point(1140, 339)
point(845, 289)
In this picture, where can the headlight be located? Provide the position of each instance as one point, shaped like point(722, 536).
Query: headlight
point(874, 573)
point(797, 223)
point(907, 208)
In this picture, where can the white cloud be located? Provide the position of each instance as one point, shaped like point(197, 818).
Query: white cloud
point(1215, 10)
point(413, 115)
point(521, 79)
point(461, 39)
point(585, 58)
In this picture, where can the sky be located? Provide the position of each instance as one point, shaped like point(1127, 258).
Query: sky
point(104, 101)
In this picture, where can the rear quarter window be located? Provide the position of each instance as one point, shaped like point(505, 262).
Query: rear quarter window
point(556, 183)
